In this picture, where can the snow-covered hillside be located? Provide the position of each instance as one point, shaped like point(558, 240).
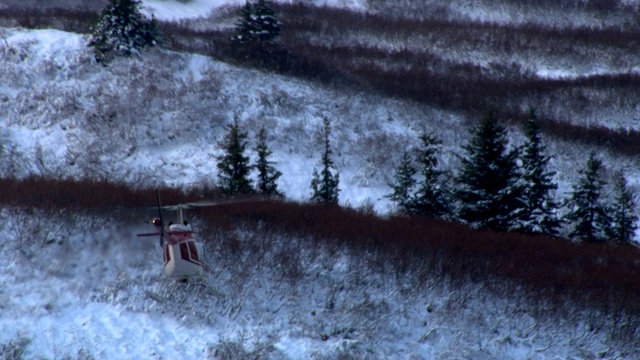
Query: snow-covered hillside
point(157, 120)
point(189, 9)
point(79, 290)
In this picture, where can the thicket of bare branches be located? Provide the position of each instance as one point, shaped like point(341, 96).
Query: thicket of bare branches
point(604, 276)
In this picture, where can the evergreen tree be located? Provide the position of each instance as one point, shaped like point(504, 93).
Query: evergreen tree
point(403, 185)
point(325, 185)
point(234, 166)
point(487, 184)
point(587, 211)
point(540, 211)
point(267, 174)
point(624, 216)
point(430, 199)
point(258, 23)
point(122, 30)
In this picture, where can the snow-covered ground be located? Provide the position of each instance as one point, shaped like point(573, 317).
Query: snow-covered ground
point(78, 290)
point(57, 107)
point(175, 10)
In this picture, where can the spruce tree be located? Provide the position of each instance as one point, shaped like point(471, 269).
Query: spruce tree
point(258, 23)
point(234, 166)
point(325, 184)
point(403, 185)
point(122, 30)
point(245, 27)
point(624, 216)
point(487, 189)
point(540, 209)
point(430, 199)
point(267, 174)
point(587, 212)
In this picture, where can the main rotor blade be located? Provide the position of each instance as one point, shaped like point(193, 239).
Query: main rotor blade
point(149, 234)
point(227, 201)
point(160, 217)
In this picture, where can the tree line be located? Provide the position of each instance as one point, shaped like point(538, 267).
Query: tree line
point(122, 30)
point(510, 189)
point(234, 167)
point(497, 188)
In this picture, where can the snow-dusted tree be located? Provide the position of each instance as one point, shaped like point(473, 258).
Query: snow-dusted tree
point(325, 184)
point(402, 187)
point(588, 214)
point(540, 215)
point(122, 30)
point(267, 173)
point(623, 215)
point(258, 23)
point(430, 199)
point(233, 165)
point(486, 187)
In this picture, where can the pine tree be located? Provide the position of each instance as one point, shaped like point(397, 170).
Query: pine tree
point(540, 211)
point(122, 30)
point(587, 211)
point(268, 24)
point(487, 184)
point(267, 174)
point(624, 216)
point(325, 185)
point(258, 23)
point(234, 166)
point(402, 194)
point(246, 26)
point(430, 200)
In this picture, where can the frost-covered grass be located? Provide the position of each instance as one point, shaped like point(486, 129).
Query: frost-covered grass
point(78, 281)
point(153, 141)
point(82, 295)
point(158, 120)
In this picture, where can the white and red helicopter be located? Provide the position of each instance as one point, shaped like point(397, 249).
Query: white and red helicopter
point(184, 256)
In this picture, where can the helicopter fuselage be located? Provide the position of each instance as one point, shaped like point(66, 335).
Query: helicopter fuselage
point(183, 255)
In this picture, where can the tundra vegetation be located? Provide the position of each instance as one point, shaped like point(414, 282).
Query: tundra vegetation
point(503, 227)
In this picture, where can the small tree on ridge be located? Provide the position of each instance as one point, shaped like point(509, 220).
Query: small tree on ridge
point(486, 186)
point(624, 217)
point(267, 174)
point(540, 209)
point(233, 165)
point(257, 24)
point(325, 184)
point(430, 199)
point(588, 213)
point(402, 188)
point(122, 30)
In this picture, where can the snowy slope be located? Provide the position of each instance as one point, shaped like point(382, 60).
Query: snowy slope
point(64, 101)
point(175, 10)
point(80, 293)
point(78, 290)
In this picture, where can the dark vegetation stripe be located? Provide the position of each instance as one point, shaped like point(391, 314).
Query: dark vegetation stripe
point(606, 276)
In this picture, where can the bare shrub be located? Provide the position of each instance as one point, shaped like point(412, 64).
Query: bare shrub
point(63, 17)
point(243, 348)
point(14, 350)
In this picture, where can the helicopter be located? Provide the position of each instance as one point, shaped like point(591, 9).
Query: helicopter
point(184, 256)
